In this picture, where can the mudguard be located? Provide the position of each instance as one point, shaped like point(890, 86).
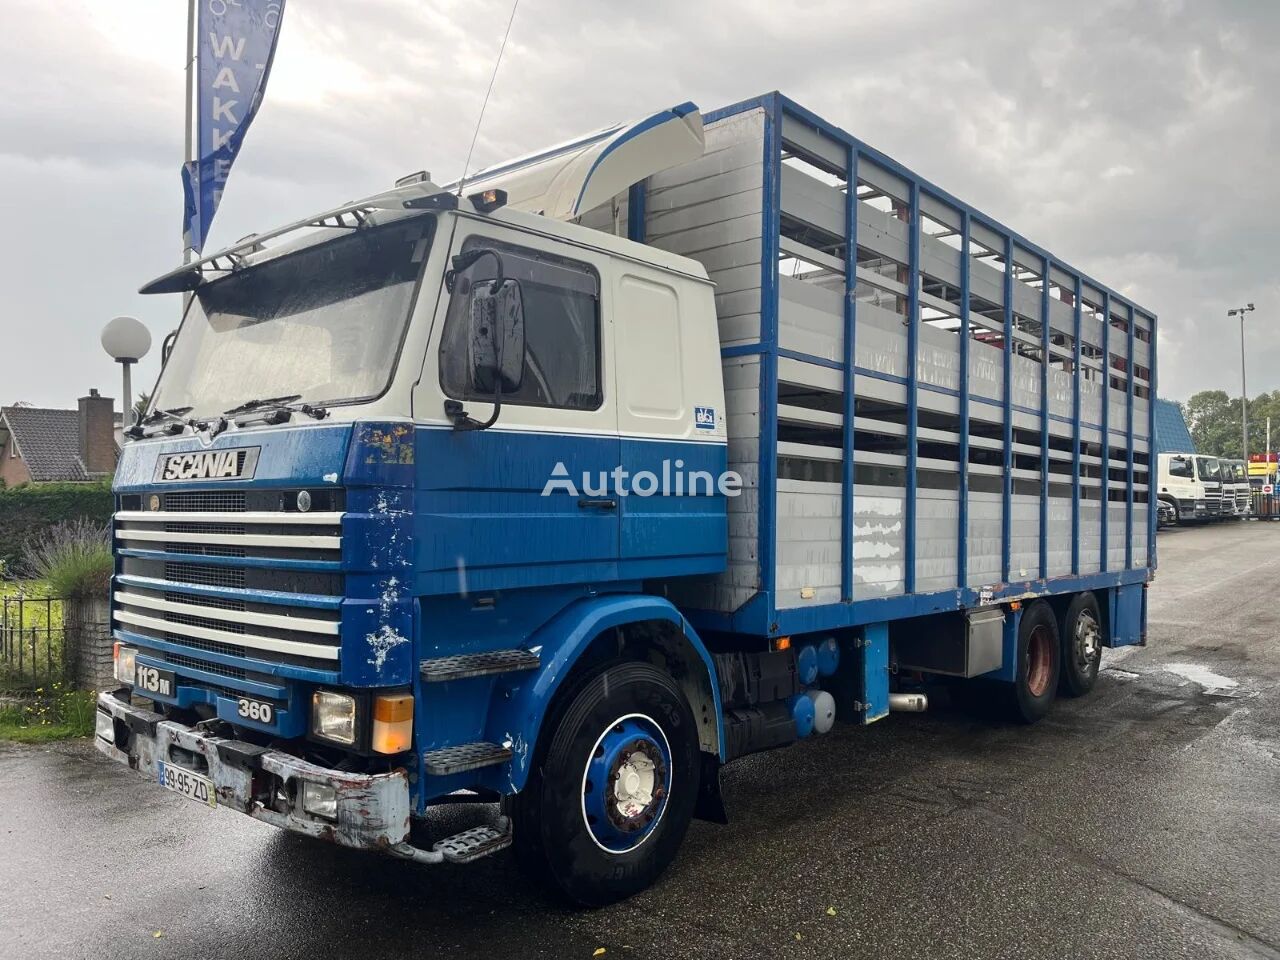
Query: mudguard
point(518, 711)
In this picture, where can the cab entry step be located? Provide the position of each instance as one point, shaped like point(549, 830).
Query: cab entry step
point(461, 667)
point(464, 757)
point(473, 844)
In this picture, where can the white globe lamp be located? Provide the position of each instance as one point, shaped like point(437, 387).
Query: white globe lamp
point(126, 341)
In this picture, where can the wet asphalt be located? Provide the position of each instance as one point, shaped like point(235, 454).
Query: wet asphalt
point(1140, 821)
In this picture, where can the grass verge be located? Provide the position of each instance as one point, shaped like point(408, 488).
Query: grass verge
point(54, 714)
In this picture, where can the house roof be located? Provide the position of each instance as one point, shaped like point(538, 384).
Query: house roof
point(48, 441)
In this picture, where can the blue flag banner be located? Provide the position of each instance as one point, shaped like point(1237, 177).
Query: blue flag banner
point(235, 41)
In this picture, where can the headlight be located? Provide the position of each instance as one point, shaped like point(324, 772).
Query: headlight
point(320, 800)
point(125, 662)
point(333, 717)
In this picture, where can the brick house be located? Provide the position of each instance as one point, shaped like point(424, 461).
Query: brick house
point(40, 445)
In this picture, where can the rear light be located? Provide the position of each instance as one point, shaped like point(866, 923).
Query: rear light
point(392, 722)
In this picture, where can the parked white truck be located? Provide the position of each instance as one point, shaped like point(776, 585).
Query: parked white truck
point(1182, 488)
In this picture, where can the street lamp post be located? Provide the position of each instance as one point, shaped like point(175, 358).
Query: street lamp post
point(127, 341)
point(1244, 392)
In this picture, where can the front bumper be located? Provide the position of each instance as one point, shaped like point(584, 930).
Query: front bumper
point(372, 810)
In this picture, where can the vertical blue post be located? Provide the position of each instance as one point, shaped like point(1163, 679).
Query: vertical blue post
point(1077, 374)
point(875, 672)
point(1128, 498)
point(769, 248)
point(1044, 421)
point(1006, 517)
point(913, 385)
point(635, 212)
point(1106, 431)
point(962, 545)
point(848, 471)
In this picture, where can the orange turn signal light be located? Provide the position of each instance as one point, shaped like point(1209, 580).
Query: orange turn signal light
point(781, 643)
point(392, 722)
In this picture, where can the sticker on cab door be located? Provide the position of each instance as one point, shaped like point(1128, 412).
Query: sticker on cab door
point(704, 418)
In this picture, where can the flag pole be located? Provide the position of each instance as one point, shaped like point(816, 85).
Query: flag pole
point(188, 146)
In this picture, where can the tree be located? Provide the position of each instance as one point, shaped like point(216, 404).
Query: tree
point(1214, 421)
point(140, 406)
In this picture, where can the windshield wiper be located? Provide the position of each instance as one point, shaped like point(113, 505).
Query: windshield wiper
point(277, 411)
point(173, 415)
point(264, 402)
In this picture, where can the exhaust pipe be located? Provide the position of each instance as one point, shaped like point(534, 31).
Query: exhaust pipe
point(908, 702)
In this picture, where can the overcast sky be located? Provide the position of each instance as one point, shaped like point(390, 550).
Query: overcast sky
point(1137, 140)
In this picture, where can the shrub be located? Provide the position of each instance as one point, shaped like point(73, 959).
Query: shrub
point(74, 558)
point(28, 511)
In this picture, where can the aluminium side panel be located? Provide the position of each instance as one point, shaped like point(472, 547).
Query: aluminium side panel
point(712, 211)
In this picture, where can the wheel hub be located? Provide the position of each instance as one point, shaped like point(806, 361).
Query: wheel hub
point(1039, 660)
point(1088, 640)
point(626, 783)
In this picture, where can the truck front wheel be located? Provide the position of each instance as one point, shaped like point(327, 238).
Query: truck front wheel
point(612, 792)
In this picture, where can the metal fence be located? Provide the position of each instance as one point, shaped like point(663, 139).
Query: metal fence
point(1265, 506)
point(33, 642)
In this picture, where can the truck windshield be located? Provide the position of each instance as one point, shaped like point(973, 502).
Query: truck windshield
point(1208, 468)
point(324, 323)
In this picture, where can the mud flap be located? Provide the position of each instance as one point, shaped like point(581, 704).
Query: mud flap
point(710, 804)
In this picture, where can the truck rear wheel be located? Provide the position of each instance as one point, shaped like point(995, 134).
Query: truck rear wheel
point(1031, 694)
point(612, 790)
point(1081, 646)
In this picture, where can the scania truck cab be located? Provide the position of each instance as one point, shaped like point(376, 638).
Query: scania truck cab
point(558, 490)
point(1182, 488)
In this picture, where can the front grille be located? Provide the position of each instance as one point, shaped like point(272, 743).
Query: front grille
point(216, 603)
point(206, 622)
point(268, 550)
point(204, 574)
point(210, 646)
point(179, 660)
point(210, 501)
point(227, 529)
point(205, 549)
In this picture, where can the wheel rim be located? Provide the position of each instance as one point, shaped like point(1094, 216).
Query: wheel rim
point(1039, 660)
point(626, 783)
point(1088, 641)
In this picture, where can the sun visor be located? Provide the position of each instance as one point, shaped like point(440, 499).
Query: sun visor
point(568, 180)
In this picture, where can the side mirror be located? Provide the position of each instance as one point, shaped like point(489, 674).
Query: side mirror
point(495, 336)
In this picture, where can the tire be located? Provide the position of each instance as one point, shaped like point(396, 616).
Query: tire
point(1081, 646)
point(1029, 697)
point(622, 727)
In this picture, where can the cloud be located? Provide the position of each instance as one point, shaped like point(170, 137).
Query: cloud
point(1134, 139)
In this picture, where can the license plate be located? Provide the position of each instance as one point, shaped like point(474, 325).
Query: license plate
point(154, 680)
point(190, 785)
point(259, 711)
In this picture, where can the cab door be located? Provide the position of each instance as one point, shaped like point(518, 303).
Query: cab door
point(531, 500)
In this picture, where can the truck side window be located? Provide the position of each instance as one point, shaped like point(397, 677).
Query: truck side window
point(1180, 467)
point(562, 330)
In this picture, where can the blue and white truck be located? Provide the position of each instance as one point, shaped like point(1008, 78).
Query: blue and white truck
point(564, 487)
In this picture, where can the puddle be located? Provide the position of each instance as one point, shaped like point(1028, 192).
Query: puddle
point(1206, 678)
